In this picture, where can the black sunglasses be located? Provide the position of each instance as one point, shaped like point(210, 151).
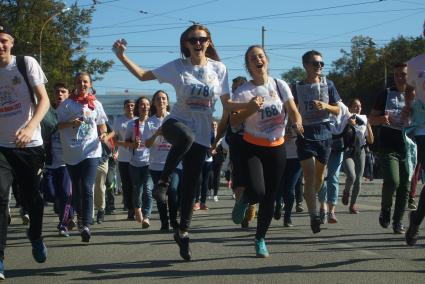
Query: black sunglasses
point(194, 40)
point(317, 64)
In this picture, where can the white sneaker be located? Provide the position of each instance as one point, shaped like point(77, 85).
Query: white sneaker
point(215, 198)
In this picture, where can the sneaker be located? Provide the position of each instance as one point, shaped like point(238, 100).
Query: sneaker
point(278, 211)
point(25, 219)
point(160, 192)
point(353, 209)
point(385, 218)
point(145, 223)
point(196, 206)
point(183, 244)
point(299, 207)
point(398, 228)
point(63, 233)
point(250, 213)
point(239, 210)
point(332, 218)
point(261, 249)
point(85, 235)
point(204, 206)
point(287, 222)
point(39, 250)
point(100, 216)
point(323, 216)
point(315, 224)
point(2, 270)
point(412, 232)
point(345, 197)
point(215, 198)
point(412, 204)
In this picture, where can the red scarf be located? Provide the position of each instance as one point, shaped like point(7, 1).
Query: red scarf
point(85, 100)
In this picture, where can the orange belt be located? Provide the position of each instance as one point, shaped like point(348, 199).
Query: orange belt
point(262, 141)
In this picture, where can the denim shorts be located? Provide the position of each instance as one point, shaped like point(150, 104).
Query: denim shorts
point(307, 149)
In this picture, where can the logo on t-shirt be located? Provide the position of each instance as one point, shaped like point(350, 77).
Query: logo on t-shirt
point(16, 80)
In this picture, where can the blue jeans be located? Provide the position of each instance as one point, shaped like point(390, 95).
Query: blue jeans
point(286, 190)
point(83, 176)
point(142, 189)
point(329, 191)
point(173, 194)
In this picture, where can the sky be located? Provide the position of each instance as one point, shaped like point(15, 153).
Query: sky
point(153, 28)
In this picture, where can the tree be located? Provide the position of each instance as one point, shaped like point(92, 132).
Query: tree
point(61, 40)
point(294, 74)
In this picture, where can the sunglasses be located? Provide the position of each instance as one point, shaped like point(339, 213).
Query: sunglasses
point(194, 40)
point(317, 64)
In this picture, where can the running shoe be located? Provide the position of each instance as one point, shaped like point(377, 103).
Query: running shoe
point(145, 223)
point(239, 210)
point(412, 232)
point(261, 249)
point(39, 250)
point(315, 224)
point(353, 209)
point(385, 217)
point(412, 204)
point(287, 222)
point(2, 270)
point(250, 213)
point(215, 198)
point(203, 206)
point(345, 197)
point(85, 235)
point(398, 228)
point(196, 206)
point(299, 207)
point(183, 244)
point(332, 218)
point(278, 211)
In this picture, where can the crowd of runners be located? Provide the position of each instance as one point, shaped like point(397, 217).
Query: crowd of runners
point(283, 142)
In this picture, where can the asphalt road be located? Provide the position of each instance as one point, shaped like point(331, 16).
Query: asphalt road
point(356, 250)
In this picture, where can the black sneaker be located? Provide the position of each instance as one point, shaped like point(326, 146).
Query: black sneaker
point(315, 224)
point(299, 207)
point(277, 211)
point(160, 192)
point(183, 244)
point(398, 228)
point(385, 218)
point(85, 235)
point(287, 222)
point(100, 216)
point(412, 232)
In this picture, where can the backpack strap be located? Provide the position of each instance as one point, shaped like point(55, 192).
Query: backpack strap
point(22, 68)
point(278, 90)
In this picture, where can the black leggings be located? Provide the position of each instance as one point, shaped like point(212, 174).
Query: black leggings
point(193, 156)
point(419, 214)
point(265, 167)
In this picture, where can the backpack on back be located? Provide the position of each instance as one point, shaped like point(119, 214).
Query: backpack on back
point(49, 124)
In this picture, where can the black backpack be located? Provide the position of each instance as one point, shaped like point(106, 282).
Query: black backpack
point(49, 124)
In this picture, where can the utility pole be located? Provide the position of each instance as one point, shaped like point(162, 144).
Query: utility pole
point(263, 29)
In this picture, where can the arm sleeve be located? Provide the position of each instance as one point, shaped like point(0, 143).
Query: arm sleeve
point(224, 82)
point(285, 90)
point(36, 75)
point(101, 115)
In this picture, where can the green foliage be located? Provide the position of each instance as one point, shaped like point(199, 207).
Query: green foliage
point(366, 71)
point(62, 46)
point(294, 74)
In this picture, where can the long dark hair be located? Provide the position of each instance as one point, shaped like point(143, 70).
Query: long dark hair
point(210, 52)
point(153, 109)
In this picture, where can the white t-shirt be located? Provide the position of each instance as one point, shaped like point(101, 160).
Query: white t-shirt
point(361, 130)
point(197, 90)
point(416, 79)
point(120, 128)
point(82, 142)
point(160, 148)
point(16, 106)
point(270, 121)
point(140, 156)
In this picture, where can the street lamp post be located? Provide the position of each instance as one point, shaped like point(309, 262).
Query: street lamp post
point(42, 28)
